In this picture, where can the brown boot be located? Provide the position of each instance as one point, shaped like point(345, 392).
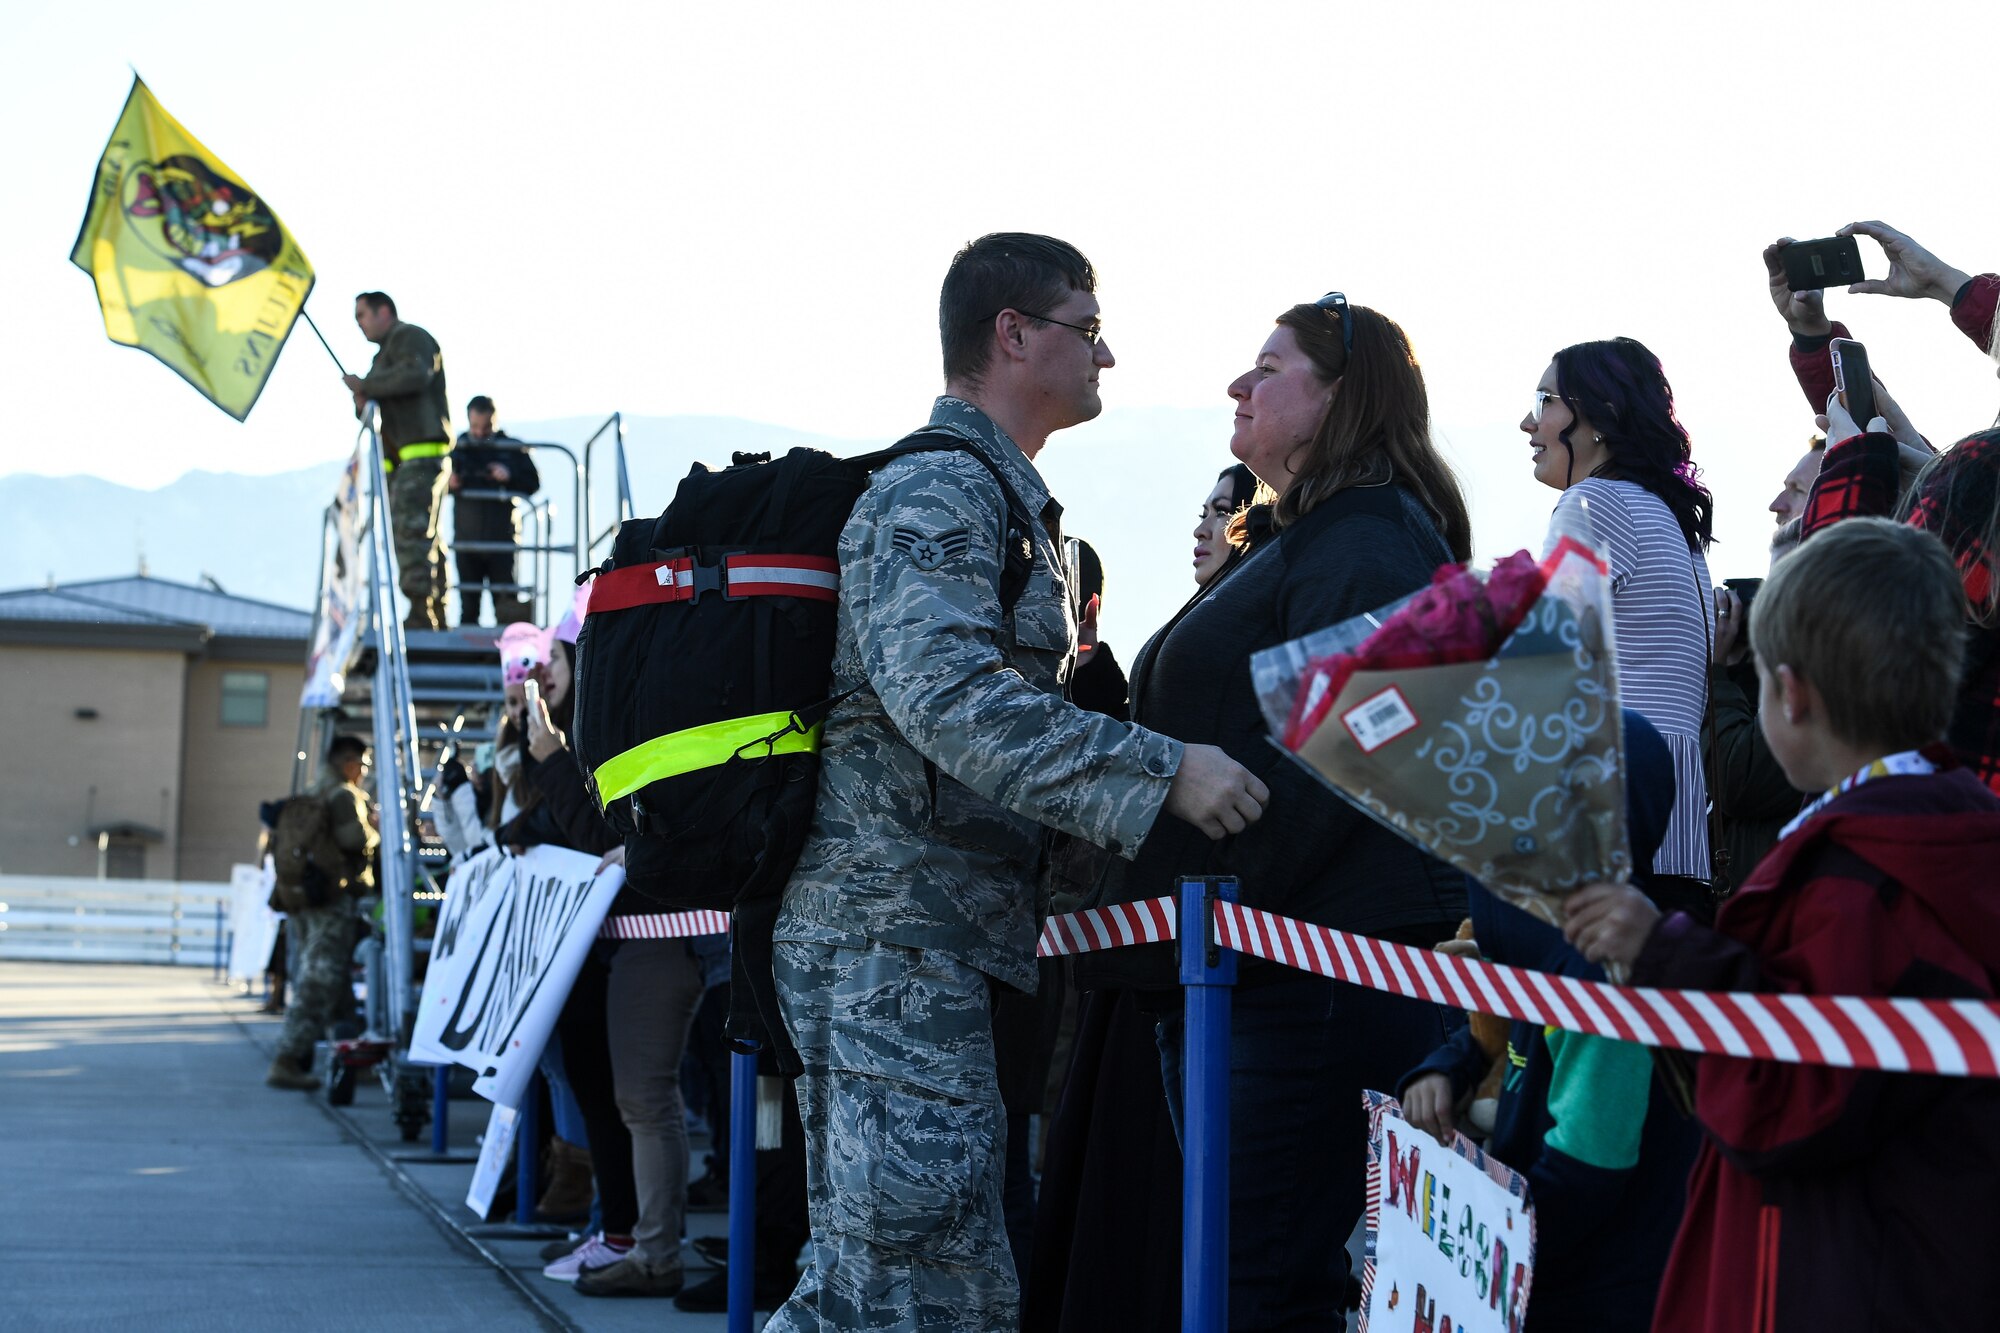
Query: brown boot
point(285, 1073)
point(569, 1189)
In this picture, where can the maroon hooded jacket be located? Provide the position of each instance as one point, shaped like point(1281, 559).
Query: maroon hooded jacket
point(1841, 1199)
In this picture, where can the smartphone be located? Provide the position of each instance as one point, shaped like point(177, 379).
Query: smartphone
point(1813, 265)
point(1852, 379)
point(531, 689)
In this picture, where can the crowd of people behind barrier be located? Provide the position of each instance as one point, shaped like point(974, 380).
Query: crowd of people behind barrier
point(1812, 759)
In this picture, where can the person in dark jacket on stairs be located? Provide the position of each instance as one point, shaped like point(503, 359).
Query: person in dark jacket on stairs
point(487, 459)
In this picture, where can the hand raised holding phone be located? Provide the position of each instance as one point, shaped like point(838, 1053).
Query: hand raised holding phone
point(1803, 310)
point(544, 739)
point(1914, 272)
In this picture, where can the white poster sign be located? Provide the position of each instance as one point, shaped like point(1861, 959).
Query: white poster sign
point(1450, 1233)
point(337, 619)
point(253, 926)
point(458, 924)
point(511, 961)
point(493, 1152)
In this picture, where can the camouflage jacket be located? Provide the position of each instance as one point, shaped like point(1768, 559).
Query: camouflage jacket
point(407, 380)
point(347, 818)
point(946, 854)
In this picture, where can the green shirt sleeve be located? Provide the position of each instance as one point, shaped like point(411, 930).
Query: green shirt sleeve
point(1598, 1091)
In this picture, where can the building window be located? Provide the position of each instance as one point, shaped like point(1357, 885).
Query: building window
point(246, 698)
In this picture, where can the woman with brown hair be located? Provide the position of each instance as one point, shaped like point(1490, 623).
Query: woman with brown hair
point(1334, 418)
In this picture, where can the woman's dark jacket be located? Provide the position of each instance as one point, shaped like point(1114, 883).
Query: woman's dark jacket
point(1749, 797)
point(1312, 855)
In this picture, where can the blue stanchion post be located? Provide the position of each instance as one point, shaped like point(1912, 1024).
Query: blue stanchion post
point(441, 1110)
point(527, 1152)
point(742, 1190)
point(1208, 972)
point(219, 963)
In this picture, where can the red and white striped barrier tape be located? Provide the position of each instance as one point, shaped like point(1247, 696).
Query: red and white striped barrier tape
point(1846, 1031)
point(1959, 1037)
point(1095, 928)
point(664, 926)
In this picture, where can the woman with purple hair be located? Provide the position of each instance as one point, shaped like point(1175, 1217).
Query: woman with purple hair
point(1603, 432)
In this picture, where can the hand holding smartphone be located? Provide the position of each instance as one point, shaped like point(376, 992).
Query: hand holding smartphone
point(1853, 380)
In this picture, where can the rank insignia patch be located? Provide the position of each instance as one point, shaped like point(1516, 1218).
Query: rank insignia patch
point(926, 552)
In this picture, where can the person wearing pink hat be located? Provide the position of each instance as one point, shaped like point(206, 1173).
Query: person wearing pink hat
point(632, 1005)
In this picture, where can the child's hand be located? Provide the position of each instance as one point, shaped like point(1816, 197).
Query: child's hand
point(1609, 923)
point(1429, 1105)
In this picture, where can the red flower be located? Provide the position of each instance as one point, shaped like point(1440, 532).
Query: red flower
point(1461, 617)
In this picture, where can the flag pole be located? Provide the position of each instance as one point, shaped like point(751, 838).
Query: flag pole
point(307, 316)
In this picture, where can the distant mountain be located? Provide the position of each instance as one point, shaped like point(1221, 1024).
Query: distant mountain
point(1131, 483)
point(256, 536)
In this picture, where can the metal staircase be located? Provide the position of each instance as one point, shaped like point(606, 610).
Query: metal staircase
point(417, 691)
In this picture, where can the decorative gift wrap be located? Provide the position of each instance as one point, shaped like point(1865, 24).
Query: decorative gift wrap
point(1478, 719)
point(1509, 769)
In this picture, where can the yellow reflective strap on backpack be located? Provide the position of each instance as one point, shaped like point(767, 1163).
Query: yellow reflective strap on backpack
point(680, 752)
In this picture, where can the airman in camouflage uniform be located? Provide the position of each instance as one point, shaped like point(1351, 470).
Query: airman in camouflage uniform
point(917, 890)
point(919, 882)
point(406, 381)
point(322, 938)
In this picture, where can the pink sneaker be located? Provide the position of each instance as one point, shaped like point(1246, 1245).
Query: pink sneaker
point(593, 1253)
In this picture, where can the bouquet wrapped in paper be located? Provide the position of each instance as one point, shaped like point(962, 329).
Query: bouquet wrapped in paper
point(1478, 719)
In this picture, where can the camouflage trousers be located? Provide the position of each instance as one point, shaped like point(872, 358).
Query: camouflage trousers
point(416, 496)
point(322, 959)
point(906, 1141)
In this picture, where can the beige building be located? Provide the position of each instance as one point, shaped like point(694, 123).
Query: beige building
point(143, 721)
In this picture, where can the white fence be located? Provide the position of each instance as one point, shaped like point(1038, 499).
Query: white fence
point(57, 918)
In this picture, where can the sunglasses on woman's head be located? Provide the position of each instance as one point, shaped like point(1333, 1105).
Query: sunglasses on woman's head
point(1337, 303)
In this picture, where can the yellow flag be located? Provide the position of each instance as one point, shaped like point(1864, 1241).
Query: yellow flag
point(190, 264)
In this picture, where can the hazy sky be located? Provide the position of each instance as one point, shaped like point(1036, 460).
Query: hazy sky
point(746, 210)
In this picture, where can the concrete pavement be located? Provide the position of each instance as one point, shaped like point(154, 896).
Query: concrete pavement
point(154, 1181)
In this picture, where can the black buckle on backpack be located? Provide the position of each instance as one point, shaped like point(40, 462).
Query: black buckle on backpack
point(707, 578)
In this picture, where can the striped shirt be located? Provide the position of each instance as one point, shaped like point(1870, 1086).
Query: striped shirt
point(1660, 608)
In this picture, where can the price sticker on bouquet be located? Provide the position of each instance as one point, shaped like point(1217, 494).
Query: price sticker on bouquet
point(1379, 719)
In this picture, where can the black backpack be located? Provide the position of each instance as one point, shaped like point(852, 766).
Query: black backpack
point(704, 671)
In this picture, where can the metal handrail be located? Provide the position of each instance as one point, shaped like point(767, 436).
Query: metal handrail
point(616, 424)
point(310, 720)
point(398, 766)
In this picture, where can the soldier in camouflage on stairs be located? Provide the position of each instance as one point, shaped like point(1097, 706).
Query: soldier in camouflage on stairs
point(407, 383)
